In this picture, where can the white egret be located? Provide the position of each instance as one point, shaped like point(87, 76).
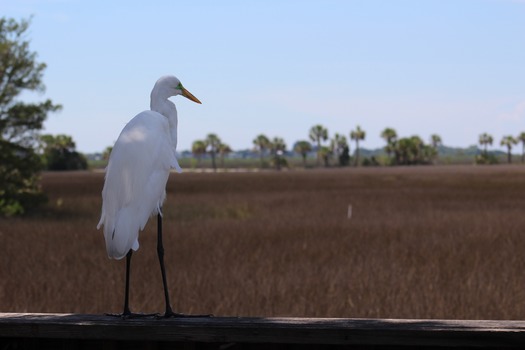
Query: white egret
point(136, 177)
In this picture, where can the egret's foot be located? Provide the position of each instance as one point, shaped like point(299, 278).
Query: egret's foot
point(130, 315)
point(171, 314)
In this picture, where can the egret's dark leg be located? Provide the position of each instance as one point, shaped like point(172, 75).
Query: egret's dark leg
point(160, 251)
point(126, 311)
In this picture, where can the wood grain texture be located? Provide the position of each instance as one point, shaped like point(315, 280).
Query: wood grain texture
point(374, 332)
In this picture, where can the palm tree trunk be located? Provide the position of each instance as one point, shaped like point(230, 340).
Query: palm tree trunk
point(397, 157)
point(357, 152)
point(318, 152)
point(262, 164)
point(213, 161)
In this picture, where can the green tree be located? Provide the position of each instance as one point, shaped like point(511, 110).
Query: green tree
point(484, 158)
point(417, 145)
point(508, 141)
point(60, 154)
point(404, 149)
point(412, 150)
point(212, 145)
point(390, 136)
point(428, 154)
point(303, 148)
point(358, 134)
point(198, 148)
point(19, 121)
point(262, 144)
point(338, 145)
point(326, 154)
point(278, 147)
point(224, 149)
point(107, 153)
point(318, 133)
point(485, 140)
point(435, 142)
point(521, 138)
point(344, 158)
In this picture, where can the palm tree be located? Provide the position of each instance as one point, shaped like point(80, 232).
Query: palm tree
point(435, 141)
point(357, 135)
point(212, 144)
point(303, 148)
point(508, 141)
point(429, 154)
point(198, 148)
point(326, 153)
point(338, 145)
point(521, 138)
point(404, 149)
point(224, 149)
point(417, 148)
point(318, 133)
point(278, 147)
point(412, 150)
point(262, 144)
point(390, 137)
point(484, 140)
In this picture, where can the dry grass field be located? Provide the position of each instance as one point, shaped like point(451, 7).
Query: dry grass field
point(423, 242)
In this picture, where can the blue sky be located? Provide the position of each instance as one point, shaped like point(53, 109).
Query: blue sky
point(451, 67)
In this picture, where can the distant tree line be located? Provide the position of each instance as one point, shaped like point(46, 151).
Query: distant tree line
point(508, 141)
point(335, 151)
point(329, 151)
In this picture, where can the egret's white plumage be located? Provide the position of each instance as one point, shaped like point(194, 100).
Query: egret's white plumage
point(138, 169)
point(136, 176)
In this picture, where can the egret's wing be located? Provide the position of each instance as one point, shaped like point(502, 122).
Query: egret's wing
point(136, 179)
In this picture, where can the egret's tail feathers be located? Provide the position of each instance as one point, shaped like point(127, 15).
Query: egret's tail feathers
point(102, 219)
point(176, 165)
point(122, 236)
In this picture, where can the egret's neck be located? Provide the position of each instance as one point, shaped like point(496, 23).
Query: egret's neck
point(167, 109)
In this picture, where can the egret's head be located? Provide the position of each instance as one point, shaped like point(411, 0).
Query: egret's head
point(169, 85)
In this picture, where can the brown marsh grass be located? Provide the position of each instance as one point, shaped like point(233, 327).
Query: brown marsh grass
point(423, 242)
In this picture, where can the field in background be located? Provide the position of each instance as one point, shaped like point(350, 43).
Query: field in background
point(296, 162)
point(423, 242)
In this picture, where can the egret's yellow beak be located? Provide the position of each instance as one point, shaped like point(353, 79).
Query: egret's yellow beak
point(188, 95)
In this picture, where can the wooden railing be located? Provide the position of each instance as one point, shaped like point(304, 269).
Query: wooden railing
point(70, 331)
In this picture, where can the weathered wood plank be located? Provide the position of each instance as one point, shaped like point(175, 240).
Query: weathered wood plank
point(377, 332)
